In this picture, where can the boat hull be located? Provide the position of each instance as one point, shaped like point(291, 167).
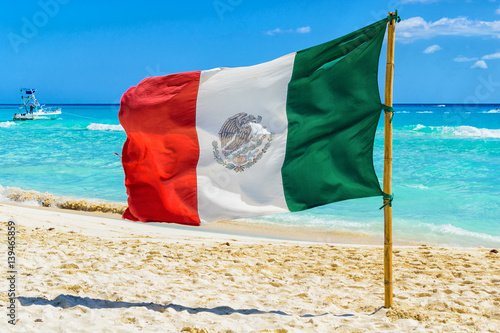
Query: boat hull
point(50, 115)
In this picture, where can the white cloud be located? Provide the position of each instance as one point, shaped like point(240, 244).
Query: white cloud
point(464, 59)
point(480, 64)
point(498, 10)
point(417, 28)
point(274, 32)
point(303, 30)
point(491, 56)
point(278, 31)
point(432, 49)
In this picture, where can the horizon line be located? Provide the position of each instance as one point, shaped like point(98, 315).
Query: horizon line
point(407, 103)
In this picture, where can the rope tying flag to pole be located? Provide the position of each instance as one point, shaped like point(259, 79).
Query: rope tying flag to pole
point(389, 197)
point(394, 16)
point(388, 109)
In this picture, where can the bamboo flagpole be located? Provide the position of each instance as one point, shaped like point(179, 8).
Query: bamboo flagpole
point(389, 78)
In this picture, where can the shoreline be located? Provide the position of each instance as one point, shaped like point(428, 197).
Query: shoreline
point(440, 234)
point(249, 229)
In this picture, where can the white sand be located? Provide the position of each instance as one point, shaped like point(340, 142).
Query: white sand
point(83, 273)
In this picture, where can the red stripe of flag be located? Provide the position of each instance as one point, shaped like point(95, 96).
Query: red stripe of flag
point(161, 151)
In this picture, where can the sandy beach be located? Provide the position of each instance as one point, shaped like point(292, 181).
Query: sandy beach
point(81, 272)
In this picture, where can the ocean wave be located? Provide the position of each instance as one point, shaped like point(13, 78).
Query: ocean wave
point(492, 111)
point(311, 220)
point(469, 131)
point(402, 111)
point(448, 229)
point(406, 231)
point(38, 199)
point(104, 127)
point(459, 131)
point(6, 124)
point(425, 112)
point(418, 186)
point(442, 234)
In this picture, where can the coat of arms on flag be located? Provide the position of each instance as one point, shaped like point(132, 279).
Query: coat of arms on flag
point(243, 141)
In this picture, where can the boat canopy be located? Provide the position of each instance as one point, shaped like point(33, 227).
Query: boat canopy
point(27, 91)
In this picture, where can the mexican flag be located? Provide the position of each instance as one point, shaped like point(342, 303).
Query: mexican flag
point(286, 135)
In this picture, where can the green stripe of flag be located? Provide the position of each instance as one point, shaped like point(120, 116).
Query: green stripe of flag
point(333, 107)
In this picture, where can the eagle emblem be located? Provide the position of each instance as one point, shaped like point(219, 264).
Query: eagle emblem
point(241, 138)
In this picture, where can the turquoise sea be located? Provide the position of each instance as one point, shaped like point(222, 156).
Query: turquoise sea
point(446, 170)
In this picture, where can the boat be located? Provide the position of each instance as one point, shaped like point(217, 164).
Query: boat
point(32, 109)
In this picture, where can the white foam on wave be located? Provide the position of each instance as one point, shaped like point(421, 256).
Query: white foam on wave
point(425, 112)
point(442, 234)
point(492, 111)
point(312, 220)
point(449, 229)
point(418, 186)
point(402, 111)
point(6, 124)
point(459, 131)
point(470, 131)
point(104, 127)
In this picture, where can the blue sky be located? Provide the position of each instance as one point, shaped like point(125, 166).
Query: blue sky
point(75, 51)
